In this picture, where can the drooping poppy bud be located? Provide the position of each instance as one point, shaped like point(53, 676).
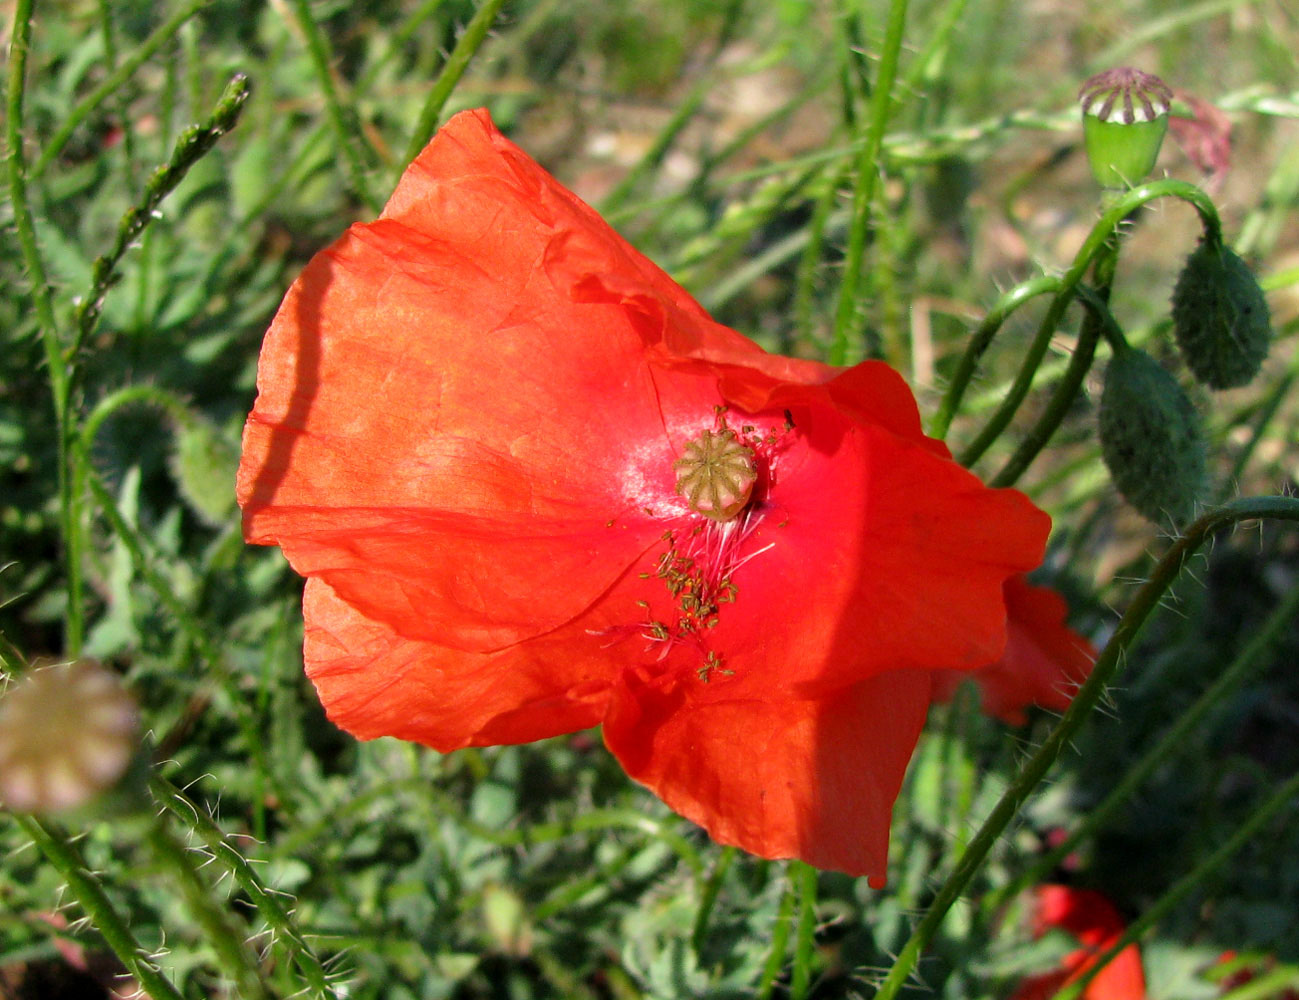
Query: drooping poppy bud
point(203, 463)
point(1125, 116)
point(1151, 438)
point(1220, 317)
point(68, 735)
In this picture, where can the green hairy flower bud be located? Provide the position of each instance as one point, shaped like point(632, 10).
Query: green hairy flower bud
point(1125, 116)
point(1151, 439)
point(1220, 317)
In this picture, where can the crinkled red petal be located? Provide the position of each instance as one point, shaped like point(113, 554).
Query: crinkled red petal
point(780, 777)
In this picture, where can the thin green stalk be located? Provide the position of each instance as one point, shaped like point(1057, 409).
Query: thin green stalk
point(868, 170)
point(123, 101)
point(1118, 210)
point(60, 382)
point(936, 48)
point(1165, 749)
point(708, 898)
point(771, 969)
point(474, 35)
point(343, 121)
point(594, 820)
point(1285, 797)
point(1104, 670)
point(1268, 409)
point(193, 144)
point(89, 892)
point(285, 936)
point(805, 877)
point(193, 629)
point(1097, 321)
point(131, 395)
point(1001, 310)
point(596, 879)
point(662, 143)
point(810, 262)
point(123, 72)
point(234, 958)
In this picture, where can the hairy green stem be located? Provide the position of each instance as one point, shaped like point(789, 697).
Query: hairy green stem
point(343, 120)
point(779, 945)
point(193, 144)
point(1098, 321)
point(474, 35)
point(120, 74)
point(1285, 797)
point(234, 958)
point(59, 376)
point(805, 877)
point(868, 171)
point(1165, 749)
point(1001, 311)
point(89, 892)
point(285, 936)
point(1104, 670)
point(708, 898)
point(1118, 210)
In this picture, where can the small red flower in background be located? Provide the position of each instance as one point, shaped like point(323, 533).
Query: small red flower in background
point(1044, 663)
point(534, 488)
point(1094, 921)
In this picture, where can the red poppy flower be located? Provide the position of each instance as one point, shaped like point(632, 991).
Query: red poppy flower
point(534, 488)
point(1094, 921)
point(1044, 663)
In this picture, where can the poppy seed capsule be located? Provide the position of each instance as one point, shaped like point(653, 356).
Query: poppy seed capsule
point(716, 474)
point(1220, 317)
point(68, 734)
point(1125, 116)
point(1150, 438)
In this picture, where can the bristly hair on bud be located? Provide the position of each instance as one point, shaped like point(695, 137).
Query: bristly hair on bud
point(1125, 116)
point(1151, 439)
point(1220, 317)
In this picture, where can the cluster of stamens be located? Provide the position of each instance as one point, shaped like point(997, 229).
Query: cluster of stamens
point(717, 475)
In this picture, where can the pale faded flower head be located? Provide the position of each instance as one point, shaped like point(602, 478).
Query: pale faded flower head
point(68, 732)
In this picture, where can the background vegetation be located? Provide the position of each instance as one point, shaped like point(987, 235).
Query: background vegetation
point(721, 138)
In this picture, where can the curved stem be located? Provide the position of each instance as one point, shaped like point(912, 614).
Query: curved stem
point(1099, 320)
point(1116, 211)
point(987, 329)
point(1104, 670)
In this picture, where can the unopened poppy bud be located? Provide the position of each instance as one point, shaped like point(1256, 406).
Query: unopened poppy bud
point(716, 474)
point(1125, 116)
point(204, 463)
point(1151, 439)
point(68, 734)
point(1220, 317)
